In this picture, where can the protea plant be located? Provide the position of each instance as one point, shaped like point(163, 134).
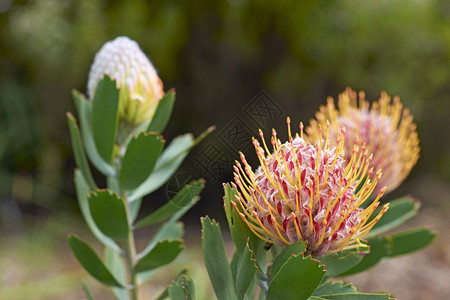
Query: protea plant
point(309, 212)
point(306, 192)
point(387, 130)
point(140, 87)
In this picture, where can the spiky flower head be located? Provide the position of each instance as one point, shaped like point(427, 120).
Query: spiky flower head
point(139, 84)
point(386, 128)
point(308, 192)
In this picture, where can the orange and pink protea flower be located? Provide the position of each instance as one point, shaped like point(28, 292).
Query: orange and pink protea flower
point(386, 128)
point(308, 192)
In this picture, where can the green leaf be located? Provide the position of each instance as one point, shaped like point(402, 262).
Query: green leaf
point(399, 211)
point(165, 167)
point(409, 241)
point(358, 296)
point(246, 272)
point(114, 263)
point(298, 278)
point(393, 245)
point(83, 190)
point(216, 261)
point(165, 293)
point(377, 252)
point(338, 263)
point(109, 213)
point(78, 151)
point(234, 265)
point(182, 289)
point(293, 249)
point(87, 292)
point(91, 262)
point(334, 287)
point(168, 163)
point(187, 196)
point(168, 230)
point(163, 253)
point(239, 229)
point(84, 112)
point(163, 112)
point(140, 159)
point(105, 118)
point(133, 208)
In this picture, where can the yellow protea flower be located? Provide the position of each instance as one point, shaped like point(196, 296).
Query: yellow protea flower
point(385, 128)
point(139, 84)
point(308, 192)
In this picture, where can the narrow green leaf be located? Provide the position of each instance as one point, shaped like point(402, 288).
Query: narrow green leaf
point(91, 262)
point(182, 289)
point(377, 252)
point(105, 105)
point(298, 278)
point(140, 159)
point(168, 163)
point(399, 211)
point(163, 112)
point(294, 249)
point(338, 263)
point(169, 231)
point(114, 263)
point(216, 261)
point(246, 272)
point(359, 296)
point(165, 293)
point(133, 208)
point(409, 241)
point(109, 213)
point(239, 229)
point(163, 253)
point(334, 287)
point(84, 112)
point(83, 190)
point(393, 245)
point(188, 195)
point(165, 167)
point(78, 151)
point(234, 265)
point(87, 292)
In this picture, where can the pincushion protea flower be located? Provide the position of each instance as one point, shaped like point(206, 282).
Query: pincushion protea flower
point(306, 192)
point(386, 128)
point(139, 84)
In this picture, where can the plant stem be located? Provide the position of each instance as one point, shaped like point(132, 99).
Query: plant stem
point(131, 260)
point(131, 254)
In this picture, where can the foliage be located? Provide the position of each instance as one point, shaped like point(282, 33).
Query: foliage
point(292, 272)
point(133, 170)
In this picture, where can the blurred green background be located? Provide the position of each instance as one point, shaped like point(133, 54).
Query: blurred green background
point(218, 55)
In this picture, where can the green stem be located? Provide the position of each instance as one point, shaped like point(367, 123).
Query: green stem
point(131, 260)
point(131, 254)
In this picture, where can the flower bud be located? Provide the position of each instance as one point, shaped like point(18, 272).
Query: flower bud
point(139, 84)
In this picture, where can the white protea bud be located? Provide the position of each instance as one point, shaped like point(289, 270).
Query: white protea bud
point(139, 84)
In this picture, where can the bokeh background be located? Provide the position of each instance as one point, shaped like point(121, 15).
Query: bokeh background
point(220, 56)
